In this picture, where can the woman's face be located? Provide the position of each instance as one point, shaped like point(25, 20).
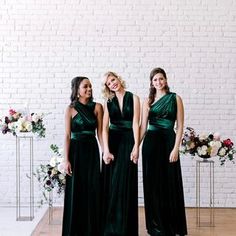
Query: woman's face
point(159, 81)
point(85, 89)
point(113, 83)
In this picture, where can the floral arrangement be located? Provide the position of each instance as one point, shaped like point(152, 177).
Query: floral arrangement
point(52, 175)
point(18, 122)
point(206, 146)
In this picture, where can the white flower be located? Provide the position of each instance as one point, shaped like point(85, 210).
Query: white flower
point(203, 136)
point(216, 144)
point(35, 117)
point(222, 152)
point(28, 126)
point(54, 171)
point(53, 161)
point(61, 176)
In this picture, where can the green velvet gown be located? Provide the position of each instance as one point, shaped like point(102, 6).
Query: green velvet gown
point(162, 180)
point(82, 194)
point(120, 192)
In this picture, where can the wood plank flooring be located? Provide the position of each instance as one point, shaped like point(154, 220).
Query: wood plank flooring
point(225, 223)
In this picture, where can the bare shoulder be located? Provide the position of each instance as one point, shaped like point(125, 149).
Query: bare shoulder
point(178, 98)
point(98, 107)
point(146, 102)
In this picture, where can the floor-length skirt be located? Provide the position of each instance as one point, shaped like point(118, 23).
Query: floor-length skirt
point(120, 190)
point(163, 189)
point(82, 194)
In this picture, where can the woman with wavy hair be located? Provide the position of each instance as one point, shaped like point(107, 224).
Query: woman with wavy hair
point(121, 141)
point(83, 118)
point(162, 179)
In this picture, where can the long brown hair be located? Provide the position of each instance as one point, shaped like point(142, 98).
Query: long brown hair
point(152, 90)
point(75, 83)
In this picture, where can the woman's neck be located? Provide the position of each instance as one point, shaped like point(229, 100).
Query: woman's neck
point(120, 93)
point(160, 94)
point(83, 100)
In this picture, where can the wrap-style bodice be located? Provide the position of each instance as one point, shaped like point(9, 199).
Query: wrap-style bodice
point(85, 121)
point(162, 113)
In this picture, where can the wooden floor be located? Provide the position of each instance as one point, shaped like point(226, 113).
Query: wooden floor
point(225, 223)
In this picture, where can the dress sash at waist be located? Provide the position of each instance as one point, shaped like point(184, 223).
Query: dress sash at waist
point(81, 134)
point(162, 124)
point(121, 125)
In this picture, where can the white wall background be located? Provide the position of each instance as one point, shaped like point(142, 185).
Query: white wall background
point(45, 43)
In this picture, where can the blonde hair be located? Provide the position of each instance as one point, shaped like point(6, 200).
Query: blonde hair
point(107, 93)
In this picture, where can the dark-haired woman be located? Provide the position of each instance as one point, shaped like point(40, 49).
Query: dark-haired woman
point(162, 179)
point(82, 162)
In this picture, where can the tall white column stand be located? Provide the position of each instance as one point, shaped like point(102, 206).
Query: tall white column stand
point(209, 180)
point(24, 171)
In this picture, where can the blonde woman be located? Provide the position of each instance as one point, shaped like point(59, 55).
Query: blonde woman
point(121, 141)
point(162, 180)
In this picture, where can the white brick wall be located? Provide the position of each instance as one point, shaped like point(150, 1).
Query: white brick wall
point(44, 44)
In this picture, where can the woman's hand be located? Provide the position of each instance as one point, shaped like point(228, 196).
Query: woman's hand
point(134, 155)
point(67, 167)
point(174, 155)
point(107, 157)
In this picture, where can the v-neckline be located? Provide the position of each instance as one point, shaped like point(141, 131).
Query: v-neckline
point(121, 109)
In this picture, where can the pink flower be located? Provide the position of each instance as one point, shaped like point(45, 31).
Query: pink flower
point(216, 136)
point(12, 112)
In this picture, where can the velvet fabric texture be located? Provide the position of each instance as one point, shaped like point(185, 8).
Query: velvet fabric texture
point(120, 189)
point(81, 215)
point(162, 180)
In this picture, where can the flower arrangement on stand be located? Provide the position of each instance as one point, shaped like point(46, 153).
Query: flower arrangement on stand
point(52, 175)
point(207, 146)
point(17, 122)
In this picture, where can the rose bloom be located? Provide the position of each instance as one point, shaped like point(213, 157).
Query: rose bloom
point(12, 112)
point(228, 143)
point(216, 136)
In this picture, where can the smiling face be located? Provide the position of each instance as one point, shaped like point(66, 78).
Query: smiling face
point(113, 83)
point(85, 89)
point(159, 82)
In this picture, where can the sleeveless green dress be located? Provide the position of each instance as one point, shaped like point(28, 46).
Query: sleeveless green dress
point(120, 189)
point(81, 215)
point(162, 180)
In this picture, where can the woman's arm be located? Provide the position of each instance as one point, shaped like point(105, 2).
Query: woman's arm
point(99, 115)
point(68, 115)
point(179, 129)
point(144, 120)
point(107, 156)
point(136, 118)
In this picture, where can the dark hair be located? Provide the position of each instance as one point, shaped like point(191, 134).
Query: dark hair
point(75, 83)
point(152, 90)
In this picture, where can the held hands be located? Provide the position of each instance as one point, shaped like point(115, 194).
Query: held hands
point(67, 167)
point(108, 157)
point(174, 155)
point(134, 155)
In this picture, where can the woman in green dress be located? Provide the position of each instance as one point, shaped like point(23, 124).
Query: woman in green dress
point(121, 141)
point(162, 179)
point(83, 117)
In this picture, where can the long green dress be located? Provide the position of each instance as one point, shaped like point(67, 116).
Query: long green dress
point(120, 193)
point(82, 194)
point(162, 180)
